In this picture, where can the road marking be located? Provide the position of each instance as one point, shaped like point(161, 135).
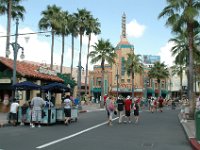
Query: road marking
point(73, 135)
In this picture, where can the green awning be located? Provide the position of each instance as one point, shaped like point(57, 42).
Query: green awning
point(96, 90)
point(150, 90)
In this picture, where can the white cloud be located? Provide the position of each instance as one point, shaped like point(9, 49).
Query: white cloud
point(39, 50)
point(134, 29)
point(165, 54)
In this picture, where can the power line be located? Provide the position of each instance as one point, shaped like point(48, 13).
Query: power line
point(27, 33)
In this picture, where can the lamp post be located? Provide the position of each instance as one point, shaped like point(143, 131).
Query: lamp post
point(16, 47)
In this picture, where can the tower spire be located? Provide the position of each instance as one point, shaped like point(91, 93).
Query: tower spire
point(123, 26)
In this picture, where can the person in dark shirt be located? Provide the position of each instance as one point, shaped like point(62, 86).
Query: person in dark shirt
point(24, 110)
point(120, 108)
point(136, 111)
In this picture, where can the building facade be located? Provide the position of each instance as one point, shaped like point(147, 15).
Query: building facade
point(117, 81)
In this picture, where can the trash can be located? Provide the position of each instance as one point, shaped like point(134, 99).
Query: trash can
point(197, 125)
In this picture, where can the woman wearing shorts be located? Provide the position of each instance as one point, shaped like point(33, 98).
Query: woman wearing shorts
point(67, 109)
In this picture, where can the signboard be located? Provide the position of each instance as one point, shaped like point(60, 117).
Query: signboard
point(5, 80)
point(45, 70)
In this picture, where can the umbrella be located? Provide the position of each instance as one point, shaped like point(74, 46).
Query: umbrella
point(56, 87)
point(26, 85)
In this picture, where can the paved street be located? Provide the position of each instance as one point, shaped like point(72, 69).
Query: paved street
point(157, 131)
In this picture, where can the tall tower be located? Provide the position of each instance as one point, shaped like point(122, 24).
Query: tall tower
point(123, 35)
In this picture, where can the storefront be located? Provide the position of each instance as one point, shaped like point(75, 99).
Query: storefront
point(38, 74)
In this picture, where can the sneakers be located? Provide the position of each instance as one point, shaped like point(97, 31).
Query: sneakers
point(129, 121)
point(39, 126)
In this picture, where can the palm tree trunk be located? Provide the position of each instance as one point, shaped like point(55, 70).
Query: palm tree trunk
point(102, 84)
point(86, 68)
point(159, 87)
point(52, 46)
point(181, 85)
point(71, 75)
point(62, 55)
point(132, 74)
point(79, 69)
point(191, 83)
point(9, 6)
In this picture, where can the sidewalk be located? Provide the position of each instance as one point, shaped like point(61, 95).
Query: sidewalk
point(91, 107)
point(189, 128)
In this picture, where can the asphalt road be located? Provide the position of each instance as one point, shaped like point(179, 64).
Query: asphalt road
point(155, 131)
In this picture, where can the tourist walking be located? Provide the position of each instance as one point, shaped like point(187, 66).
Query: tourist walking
point(160, 103)
point(13, 112)
point(24, 111)
point(136, 111)
point(37, 104)
point(128, 107)
point(67, 109)
point(110, 108)
point(120, 108)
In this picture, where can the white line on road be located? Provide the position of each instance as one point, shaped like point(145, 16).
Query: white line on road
point(73, 135)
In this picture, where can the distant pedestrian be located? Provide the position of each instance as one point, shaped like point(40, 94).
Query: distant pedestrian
point(104, 98)
point(24, 111)
point(110, 108)
point(37, 104)
point(136, 111)
point(160, 103)
point(13, 112)
point(152, 105)
point(198, 103)
point(120, 108)
point(128, 107)
point(67, 109)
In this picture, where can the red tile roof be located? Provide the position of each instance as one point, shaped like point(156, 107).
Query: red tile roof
point(29, 70)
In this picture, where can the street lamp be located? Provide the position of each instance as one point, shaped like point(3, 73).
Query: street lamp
point(16, 47)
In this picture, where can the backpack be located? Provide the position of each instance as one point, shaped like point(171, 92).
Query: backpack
point(111, 106)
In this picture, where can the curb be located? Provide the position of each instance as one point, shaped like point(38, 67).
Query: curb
point(195, 145)
point(193, 142)
point(83, 111)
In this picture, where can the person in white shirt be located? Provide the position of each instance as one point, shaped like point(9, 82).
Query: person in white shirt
point(37, 103)
point(13, 112)
point(67, 109)
point(198, 103)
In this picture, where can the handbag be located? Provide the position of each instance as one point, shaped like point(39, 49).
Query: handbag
point(115, 112)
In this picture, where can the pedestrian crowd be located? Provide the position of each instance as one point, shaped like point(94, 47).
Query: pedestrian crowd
point(123, 107)
point(127, 107)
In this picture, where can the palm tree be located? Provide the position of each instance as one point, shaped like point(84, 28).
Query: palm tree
point(81, 20)
point(63, 30)
point(72, 26)
point(103, 52)
point(184, 14)
point(93, 26)
point(158, 71)
point(50, 20)
point(12, 9)
point(133, 65)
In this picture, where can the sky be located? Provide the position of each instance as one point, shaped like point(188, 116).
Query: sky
point(145, 31)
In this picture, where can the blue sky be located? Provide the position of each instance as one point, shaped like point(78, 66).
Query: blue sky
point(148, 34)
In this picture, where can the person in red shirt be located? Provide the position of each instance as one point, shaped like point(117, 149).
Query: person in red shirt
point(128, 107)
point(104, 98)
point(160, 103)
